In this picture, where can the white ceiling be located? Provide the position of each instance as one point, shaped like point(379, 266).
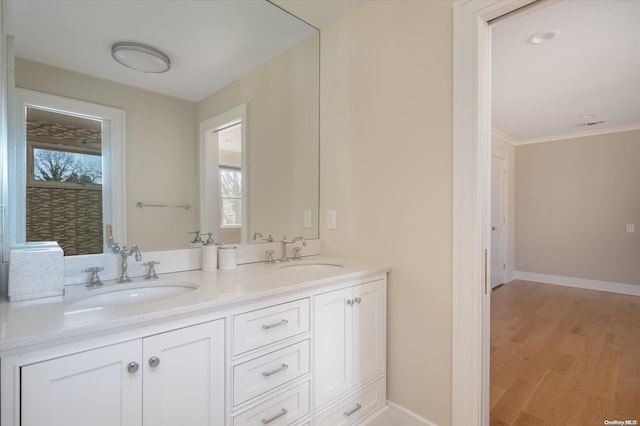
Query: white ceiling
point(210, 42)
point(592, 67)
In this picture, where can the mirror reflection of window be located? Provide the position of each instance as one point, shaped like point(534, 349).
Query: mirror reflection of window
point(230, 197)
point(64, 181)
point(230, 172)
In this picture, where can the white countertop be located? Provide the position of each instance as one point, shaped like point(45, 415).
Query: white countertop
point(39, 321)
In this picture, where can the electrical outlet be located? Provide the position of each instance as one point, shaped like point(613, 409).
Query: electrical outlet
point(631, 228)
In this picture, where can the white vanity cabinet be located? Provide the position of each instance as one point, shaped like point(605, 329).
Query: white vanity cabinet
point(350, 343)
point(284, 354)
point(168, 379)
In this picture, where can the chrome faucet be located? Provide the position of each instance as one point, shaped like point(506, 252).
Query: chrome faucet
point(124, 254)
point(284, 246)
point(151, 273)
point(94, 281)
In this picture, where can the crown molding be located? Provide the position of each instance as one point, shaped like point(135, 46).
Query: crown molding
point(626, 128)
point(502, 135)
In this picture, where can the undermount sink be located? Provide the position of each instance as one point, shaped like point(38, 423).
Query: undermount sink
point(130, 293)
point(309, 267)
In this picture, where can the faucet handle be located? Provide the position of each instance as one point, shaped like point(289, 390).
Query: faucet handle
point(296, 253)
point(94, 281)
point(151, 273)
point(269, 254)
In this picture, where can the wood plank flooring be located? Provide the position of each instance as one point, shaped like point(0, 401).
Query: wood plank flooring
point(563, 356)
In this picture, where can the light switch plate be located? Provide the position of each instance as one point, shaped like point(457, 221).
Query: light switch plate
point(631, 228)
point(307, 219)
point(331, 219)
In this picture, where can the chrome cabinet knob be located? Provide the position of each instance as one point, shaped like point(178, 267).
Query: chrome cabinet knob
point(154, 361)
point(350, 302)
point(132, 367)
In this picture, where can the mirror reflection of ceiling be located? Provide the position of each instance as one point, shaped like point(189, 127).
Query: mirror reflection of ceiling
point(231, 139)
point(202, 38)
point(586, 74)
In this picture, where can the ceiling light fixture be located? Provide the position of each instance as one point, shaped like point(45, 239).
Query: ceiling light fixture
point(140, 57)
point(543, 37)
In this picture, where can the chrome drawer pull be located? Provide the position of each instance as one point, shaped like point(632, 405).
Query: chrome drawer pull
point(276, 417)
point(274, 325)
point(277, 370)
point(353, 410)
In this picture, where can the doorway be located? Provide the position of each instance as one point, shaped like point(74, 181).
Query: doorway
point(472, 132)
point(224, 176)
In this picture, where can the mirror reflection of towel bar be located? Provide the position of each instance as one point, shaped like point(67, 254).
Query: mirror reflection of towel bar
point(185, 206)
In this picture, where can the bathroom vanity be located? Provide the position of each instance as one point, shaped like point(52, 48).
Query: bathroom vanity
point(295, 343)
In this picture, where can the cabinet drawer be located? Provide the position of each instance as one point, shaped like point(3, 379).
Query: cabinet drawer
point(352, 408)
point(258, 328)
point(262, 374)
point(283, 409)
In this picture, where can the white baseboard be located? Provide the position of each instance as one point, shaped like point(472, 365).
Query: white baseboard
point(612, 287)
point(395, 415)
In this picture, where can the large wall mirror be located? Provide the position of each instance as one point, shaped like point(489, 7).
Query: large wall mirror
point(226, 141)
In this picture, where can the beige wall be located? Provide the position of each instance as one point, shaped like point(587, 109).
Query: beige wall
point(507, 150)
point(161, 150)
point(282, 98)
point(573, 200)
point(386, 168)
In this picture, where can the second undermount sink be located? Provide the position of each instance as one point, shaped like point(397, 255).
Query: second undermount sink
point(310, 267)
point(130, 293)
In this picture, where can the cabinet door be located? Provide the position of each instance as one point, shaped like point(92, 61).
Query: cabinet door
point(333, 344)
point(184, 376)
point(368, 330)
point(89, 388)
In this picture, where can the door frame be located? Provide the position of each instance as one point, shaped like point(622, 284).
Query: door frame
point(471, 207)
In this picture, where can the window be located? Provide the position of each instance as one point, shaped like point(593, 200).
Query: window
point(51, 165)
point(230, 197)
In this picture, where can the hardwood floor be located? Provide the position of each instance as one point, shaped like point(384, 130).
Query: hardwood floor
point(563, 356)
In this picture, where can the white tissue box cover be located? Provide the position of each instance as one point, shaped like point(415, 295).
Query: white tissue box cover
point(35, 270)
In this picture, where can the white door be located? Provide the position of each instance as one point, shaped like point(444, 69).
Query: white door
point(333, 336)
point(498, 264)
point(101, 387)
point(368, 330)
point(184, 376)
